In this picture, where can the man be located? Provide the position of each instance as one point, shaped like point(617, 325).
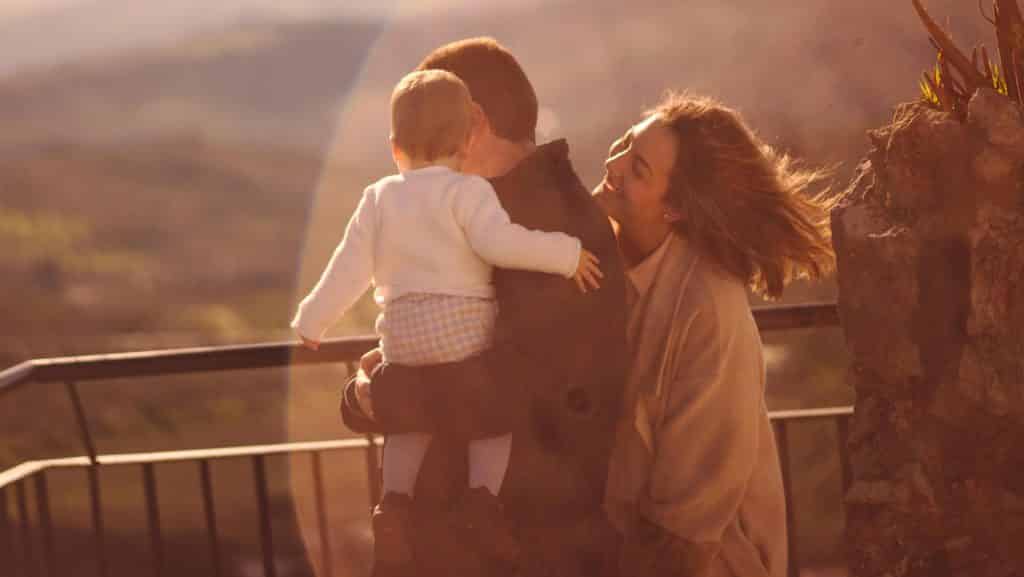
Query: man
point(554, 377)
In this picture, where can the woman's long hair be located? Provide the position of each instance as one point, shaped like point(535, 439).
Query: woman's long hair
point(744, 205)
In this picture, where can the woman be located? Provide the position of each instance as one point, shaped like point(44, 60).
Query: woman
point(703, 210)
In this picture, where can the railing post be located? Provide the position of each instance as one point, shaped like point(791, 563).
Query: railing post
point(321, 515)
point(782, 435)
point(153, 514)
point(83, 422)
point(266, 531)
point(843, 431)
point(28, 555)
point(206, 482)
point(96, 504)
point(6, 533)
point(94, 479)
point(45, 524)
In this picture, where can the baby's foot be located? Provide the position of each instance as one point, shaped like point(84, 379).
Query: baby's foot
point(391, 523)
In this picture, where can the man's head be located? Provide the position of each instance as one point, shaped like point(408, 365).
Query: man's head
point(497, 84)
point(431, 115)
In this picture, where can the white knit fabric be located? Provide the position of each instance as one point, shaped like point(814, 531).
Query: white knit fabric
point(431, 230)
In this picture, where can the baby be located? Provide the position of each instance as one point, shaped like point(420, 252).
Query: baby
point(428, 238)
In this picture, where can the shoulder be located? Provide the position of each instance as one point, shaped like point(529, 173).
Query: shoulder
point(386, 185)
point(715, 302)
point(472, 182)
point(472, 191)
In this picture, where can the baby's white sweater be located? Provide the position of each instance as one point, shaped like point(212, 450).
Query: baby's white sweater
point(430, 230)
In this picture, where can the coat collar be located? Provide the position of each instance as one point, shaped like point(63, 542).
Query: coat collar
point(659, 324)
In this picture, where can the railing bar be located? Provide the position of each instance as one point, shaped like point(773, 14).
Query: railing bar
point(83, 423)
point(96, 503)
point(321, 515)
point(6, 533)
point(46, 524)
point(269, 355)
point(373, 480)
point(811, 414)
point(156, 541)
point(266, 533)
point(229, 452)
point(206, 483)
point(26, 530)
point(782, 436)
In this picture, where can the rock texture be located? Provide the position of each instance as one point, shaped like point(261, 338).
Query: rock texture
point(930, 246)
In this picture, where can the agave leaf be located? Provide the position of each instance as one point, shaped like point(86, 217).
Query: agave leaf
point(957, 59)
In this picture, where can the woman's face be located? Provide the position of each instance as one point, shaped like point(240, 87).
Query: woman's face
point(636, 178)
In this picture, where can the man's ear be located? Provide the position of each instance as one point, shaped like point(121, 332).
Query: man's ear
point(480, 121)
point(396, 153)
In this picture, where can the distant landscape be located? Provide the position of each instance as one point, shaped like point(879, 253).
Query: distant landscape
point(187, 193)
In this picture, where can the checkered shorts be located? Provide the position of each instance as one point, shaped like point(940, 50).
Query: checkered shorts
point(426, 329)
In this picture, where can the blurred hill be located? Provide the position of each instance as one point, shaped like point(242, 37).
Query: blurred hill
point(181, 162)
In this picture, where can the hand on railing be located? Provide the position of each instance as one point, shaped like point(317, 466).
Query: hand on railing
point(308, 343)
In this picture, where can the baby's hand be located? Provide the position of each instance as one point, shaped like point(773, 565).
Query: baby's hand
point(587, 271)
point(310, 344)
point(370, 360)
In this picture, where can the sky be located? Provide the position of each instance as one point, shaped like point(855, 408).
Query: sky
point(40, 33)
point(14, 8)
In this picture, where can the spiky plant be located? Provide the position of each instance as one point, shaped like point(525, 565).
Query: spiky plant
point(956, 77)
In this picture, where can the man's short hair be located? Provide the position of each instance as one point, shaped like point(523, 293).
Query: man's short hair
point(431, 114)
point(496, 81)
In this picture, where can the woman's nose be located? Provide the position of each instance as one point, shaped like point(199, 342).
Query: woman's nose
point(612, 163)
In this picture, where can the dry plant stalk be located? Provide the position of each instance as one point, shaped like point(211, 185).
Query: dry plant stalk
point(956, 77)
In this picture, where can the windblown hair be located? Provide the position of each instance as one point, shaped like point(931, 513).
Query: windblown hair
point(744, 205)
point(431, 114)
point(496, 81)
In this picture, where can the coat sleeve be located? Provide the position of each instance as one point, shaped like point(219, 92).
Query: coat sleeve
point(483, 386)
point(706, 443)
point(347, 276)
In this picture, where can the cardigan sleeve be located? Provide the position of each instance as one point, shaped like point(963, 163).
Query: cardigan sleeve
point(706, 442)
point(347, 276)
point(504, 244)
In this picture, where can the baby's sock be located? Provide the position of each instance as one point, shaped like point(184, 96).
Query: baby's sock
point(488, 462)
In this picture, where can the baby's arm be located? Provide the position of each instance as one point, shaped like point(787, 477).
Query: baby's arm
point(346, 278)
point(502, 243)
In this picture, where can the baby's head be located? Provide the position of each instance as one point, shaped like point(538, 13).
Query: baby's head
point(431, 119)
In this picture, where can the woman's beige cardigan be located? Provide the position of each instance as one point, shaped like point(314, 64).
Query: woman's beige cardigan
point(695, 453)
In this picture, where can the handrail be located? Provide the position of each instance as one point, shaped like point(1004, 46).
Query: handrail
point(72, 370)
point(178, 361)
point(17, 478)
point(29, 468)
point(280, 354)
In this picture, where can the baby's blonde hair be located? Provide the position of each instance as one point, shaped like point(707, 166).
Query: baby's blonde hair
point(431, 114)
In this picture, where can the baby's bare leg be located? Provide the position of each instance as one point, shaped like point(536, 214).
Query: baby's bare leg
point(403, 455)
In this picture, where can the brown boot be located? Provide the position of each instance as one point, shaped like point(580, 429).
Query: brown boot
point(482, 520)
point(391, 521)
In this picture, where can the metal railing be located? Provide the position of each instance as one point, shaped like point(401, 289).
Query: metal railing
point(71, 371)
